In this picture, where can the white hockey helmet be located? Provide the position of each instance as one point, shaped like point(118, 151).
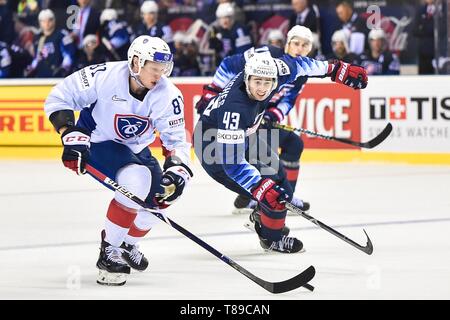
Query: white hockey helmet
point(108, 15)
point(375, 34)
point(46, 14)
point(261, 65)
point(275, 35)
point(342, 36)
point(148, 48)
point(149, 7)
point(225, 10)
point(300, 32)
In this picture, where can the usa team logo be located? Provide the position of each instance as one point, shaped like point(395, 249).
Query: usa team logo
point(129, 125)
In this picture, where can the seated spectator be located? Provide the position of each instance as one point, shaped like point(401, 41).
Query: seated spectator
point(114, 34)
point(150, 25)
point(378, 60)
point(5, 60)
point(186, 56)
point(93, 52)
point(228, 37)
point(54, 50)
point(354, 24)
point(341, 50)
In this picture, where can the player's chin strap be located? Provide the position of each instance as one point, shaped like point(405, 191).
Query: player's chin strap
point(135, 77)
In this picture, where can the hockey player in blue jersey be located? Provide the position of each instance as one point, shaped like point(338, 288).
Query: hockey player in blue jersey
point(222, 137)
point(299, 43)
point(121, 106)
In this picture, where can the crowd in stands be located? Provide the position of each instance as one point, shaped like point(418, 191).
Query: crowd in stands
point(45, 38)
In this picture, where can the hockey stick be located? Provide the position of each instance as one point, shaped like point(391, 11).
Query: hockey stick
point(301, 280)
point(368, 145)
point(366, 249)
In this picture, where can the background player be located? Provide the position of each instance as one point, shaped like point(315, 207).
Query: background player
point(299, 44)
point(122, 104)
point(223, 132)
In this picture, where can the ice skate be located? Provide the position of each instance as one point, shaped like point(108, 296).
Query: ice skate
point(113, 270)
point(133, 257)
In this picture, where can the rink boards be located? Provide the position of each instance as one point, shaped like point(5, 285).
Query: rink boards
point(417, 107)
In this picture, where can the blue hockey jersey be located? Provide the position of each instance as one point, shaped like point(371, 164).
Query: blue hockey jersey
point(234, 117)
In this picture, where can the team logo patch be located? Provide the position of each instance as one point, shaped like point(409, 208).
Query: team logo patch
point(129, 125)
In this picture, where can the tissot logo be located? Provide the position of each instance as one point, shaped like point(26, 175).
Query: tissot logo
point(409, 108)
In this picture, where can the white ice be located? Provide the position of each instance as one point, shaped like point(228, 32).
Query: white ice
point(51, 221)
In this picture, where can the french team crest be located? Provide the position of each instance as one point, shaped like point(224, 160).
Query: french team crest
point(129, 125)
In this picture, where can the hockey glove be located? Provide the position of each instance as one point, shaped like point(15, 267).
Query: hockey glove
point(176, 175)
point(270, 195)
point(76, 142)
point(349, 74)
point(209, 92)
point(272, 115)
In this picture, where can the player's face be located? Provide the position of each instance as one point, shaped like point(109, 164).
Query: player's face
point(149, 18)
point(339, 48)
point(298, 47)
point(151, 72)
point(260, 87)
point(225, 22)
point(47, 25)
point(376, 44)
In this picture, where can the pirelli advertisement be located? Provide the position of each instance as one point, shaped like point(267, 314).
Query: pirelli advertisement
point(418, 109)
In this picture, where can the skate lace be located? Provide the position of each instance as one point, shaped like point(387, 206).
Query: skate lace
point(283, 244)
point(114, 254)
point(136, 255)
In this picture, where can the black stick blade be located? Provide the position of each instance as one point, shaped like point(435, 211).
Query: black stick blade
point(369, 247)
point(300, 280)
point(379, 138)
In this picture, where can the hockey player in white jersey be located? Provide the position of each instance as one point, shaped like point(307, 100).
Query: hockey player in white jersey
point(121, 105)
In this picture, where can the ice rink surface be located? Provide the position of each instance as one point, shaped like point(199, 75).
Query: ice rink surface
point(51, 222)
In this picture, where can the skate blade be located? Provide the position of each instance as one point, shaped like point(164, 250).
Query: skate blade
point(242, 211)
point(111, 279)
point(273, 251)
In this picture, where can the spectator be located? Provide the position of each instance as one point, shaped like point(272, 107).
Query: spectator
point(54, 49)
point(355, 25)
point(424, 31)
point(88, 22)
point(5, 60)
point(378, 60)
point(114, 34)
point(93, 52)
point(150, 25)
point(228, 37)
point(341, 50)
point(186, 56)
point(6, 23)
point(276, 38)
point(305, 15)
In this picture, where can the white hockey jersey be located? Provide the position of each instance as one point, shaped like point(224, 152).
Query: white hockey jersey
point(102, 91)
